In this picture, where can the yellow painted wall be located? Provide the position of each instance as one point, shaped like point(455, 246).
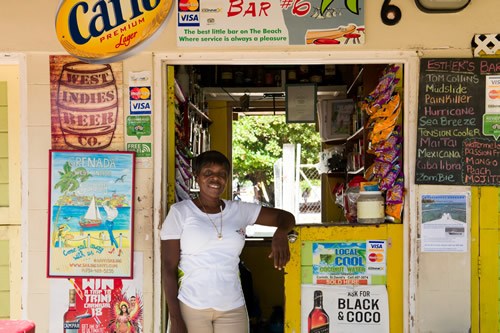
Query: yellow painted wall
point(221, 133)
point(392, 233)
point(485, 260)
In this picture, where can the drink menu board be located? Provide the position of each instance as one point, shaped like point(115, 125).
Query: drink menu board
point(458, 123)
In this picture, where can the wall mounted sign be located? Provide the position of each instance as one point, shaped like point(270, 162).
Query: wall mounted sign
point(140, 100)
point(91, 214)
point(270, 23)
point(345, 263)
point(142, 150)
point(98, 31)
point(139, 126)
point(84, 305)
point(301, 103)
point(335, 117)
point(458, 127)
point(444, 222)
point(346, 309)
point(86, 104)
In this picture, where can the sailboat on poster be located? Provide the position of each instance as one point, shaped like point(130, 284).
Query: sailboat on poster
point(92, 217)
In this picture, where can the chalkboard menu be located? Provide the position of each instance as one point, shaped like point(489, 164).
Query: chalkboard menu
point(458, 122)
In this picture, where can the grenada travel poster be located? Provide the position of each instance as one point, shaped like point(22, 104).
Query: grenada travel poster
point(90, 214)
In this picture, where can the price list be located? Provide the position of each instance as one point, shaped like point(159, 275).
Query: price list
point(451, 147)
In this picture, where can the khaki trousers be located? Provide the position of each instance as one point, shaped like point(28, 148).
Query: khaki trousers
point(213, 321)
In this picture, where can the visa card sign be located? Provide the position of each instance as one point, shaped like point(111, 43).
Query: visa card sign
point(98, 31)
point(349, 263)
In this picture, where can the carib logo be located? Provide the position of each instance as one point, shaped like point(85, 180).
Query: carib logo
point(103, 31)
point(188, 13)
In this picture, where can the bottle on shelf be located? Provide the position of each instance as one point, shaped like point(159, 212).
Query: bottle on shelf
point(316, 74)
point(291, 75)
point(70, 321)
point(318, 320)
point(304, 73)
point(330, 72)
point(226, 76)
point(269, 78)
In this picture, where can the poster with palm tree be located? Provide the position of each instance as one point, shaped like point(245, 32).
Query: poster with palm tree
point(91, 210)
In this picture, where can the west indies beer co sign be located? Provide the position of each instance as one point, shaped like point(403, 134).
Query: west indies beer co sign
point(86, 104)
point(99, 31)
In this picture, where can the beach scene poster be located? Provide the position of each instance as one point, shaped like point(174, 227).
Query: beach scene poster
point(91, 214)
point(444, 222)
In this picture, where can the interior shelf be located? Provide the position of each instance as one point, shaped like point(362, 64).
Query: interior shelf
point(356, 135)
point(200, 113)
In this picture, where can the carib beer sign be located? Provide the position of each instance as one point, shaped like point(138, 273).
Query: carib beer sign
point(103, 31)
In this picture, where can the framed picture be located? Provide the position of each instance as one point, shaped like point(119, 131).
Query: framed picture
point(335, 117)
point(91, 214)
point(301, 103)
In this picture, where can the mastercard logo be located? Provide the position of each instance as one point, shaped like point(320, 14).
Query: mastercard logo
point(376, 257)
point(137, 93)
point(494, 94)
point(189, 5)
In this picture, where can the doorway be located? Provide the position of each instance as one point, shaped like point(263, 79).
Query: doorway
point(214, 60)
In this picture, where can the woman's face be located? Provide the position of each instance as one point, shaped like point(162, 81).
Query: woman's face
point(212, 180)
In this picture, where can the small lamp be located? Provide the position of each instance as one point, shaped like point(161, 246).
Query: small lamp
point(441, 6)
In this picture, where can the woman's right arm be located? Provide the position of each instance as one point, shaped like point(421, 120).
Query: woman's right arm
point(170, 256)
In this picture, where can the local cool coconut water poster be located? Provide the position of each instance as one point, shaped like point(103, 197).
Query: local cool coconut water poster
point(90, 214)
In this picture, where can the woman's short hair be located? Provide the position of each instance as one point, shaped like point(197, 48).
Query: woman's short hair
point(210, 157)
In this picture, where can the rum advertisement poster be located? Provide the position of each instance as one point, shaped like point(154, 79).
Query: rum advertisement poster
point(90, 214)
point(98, 305)
point(344, 309)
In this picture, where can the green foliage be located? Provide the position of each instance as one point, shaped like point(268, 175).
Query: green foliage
point(70, 179)
point(258, 144)
point(351, 5)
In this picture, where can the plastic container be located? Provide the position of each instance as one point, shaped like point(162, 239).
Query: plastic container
point(371, 207)
point(351, 198)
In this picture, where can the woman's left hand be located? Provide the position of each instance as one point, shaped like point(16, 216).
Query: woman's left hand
point(280, 252)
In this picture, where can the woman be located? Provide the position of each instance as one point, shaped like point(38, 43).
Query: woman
point(201, 243)
point(111, 214)
point(123, 319)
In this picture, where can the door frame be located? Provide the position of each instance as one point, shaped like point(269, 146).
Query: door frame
point(410, 61)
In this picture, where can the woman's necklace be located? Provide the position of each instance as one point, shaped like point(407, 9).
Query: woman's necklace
point(219, 233)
